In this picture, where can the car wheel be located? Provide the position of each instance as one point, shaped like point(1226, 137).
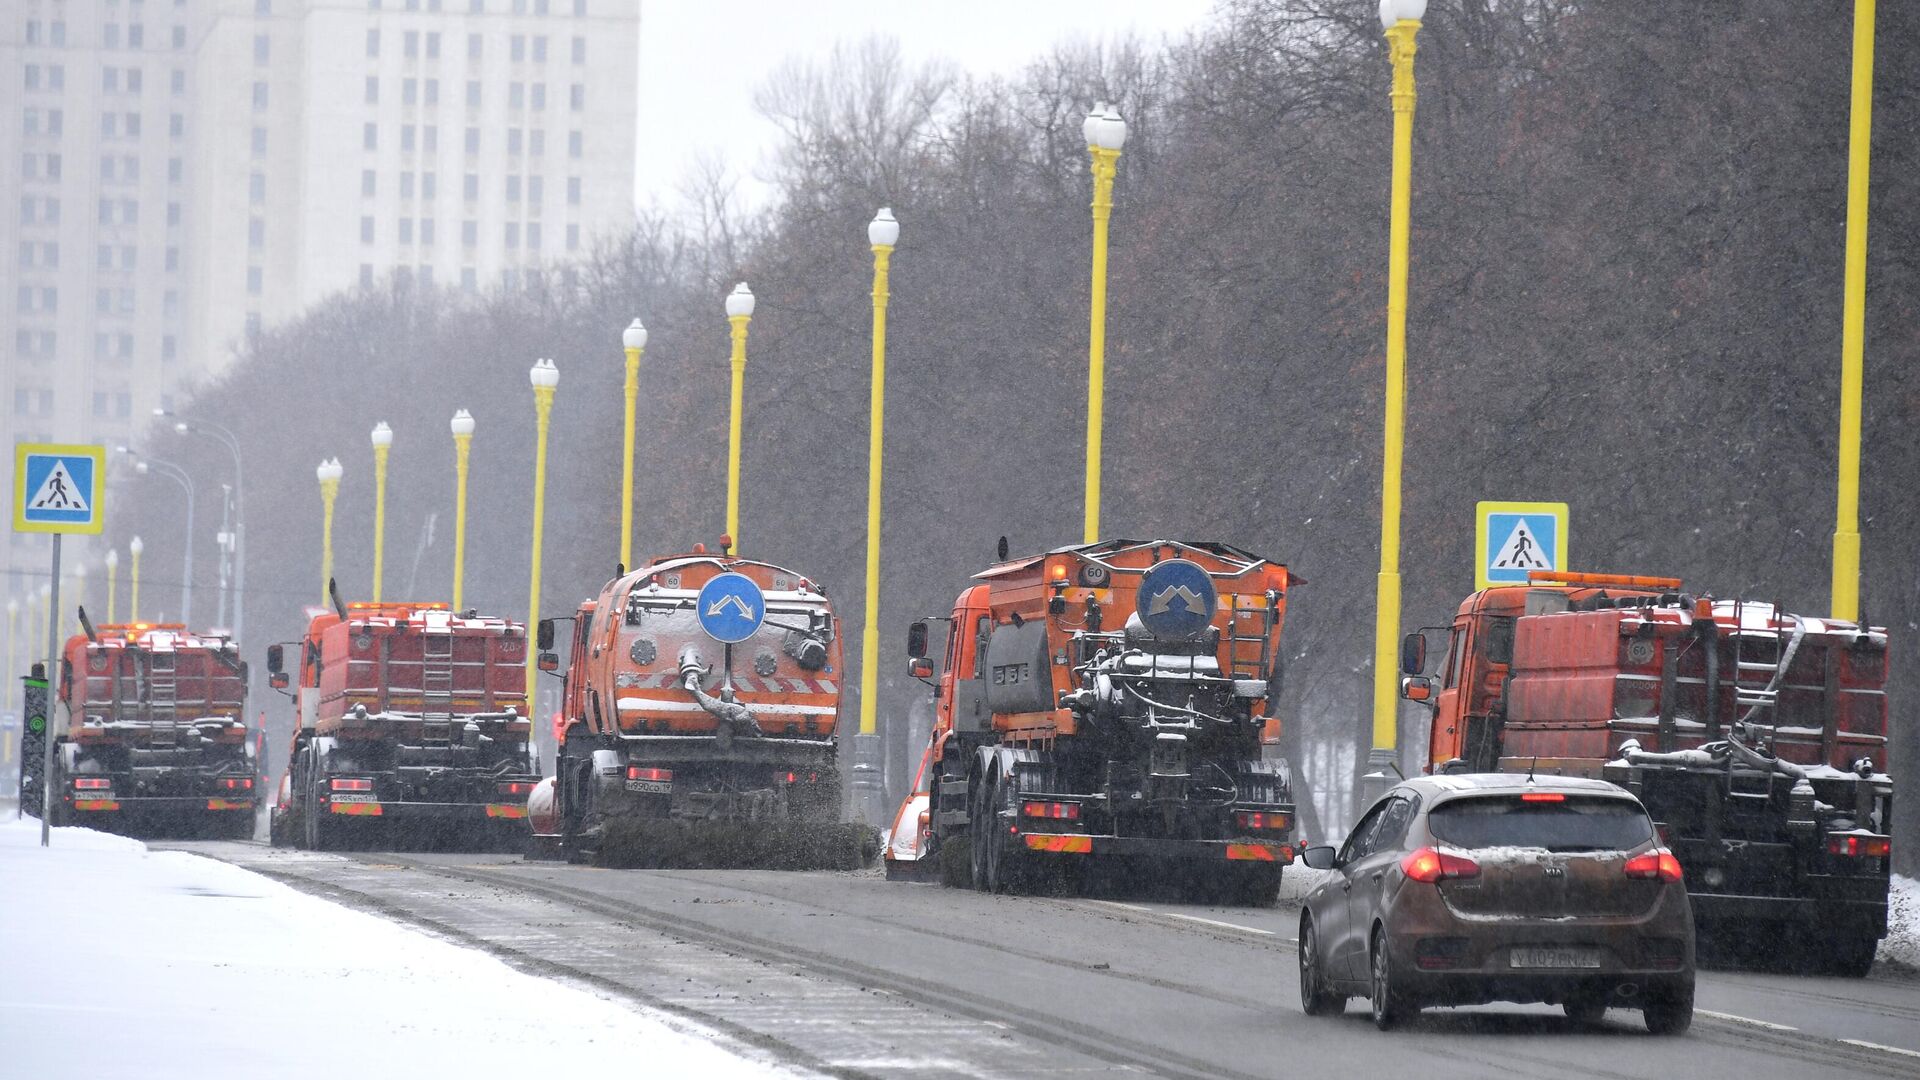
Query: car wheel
point(1585, 1010)
point(1390, 1005)
point(1315, 998)
point(1852, 957)
point(1669, 1010)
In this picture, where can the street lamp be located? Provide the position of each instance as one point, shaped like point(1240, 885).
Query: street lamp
point(228, 439)
point(1401, 20)
point(143, 465)
point(79, 591)
point(113, 581)
point(545, 379)
point(634, 339)
point(882, 233)
point(462, 427)
point(1853, 315)
point(135, 547)
point(328, 472)
point(382, 443)
point(739, 313)
point(1105, 133)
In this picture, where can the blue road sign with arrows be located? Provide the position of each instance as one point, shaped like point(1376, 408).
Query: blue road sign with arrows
point(731, 608)
point(1176, 599)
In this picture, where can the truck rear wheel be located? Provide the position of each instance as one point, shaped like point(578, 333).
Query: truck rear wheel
point(1851, 956)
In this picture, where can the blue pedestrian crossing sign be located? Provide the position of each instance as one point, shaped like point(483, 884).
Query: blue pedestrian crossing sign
point(731, 608)
point(1514, 539)
point(1176, 599)
point(58, 489)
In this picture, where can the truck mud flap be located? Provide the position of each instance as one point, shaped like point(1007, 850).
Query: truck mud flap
point(677, 844)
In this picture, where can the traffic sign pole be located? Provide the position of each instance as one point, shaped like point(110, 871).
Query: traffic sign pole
point(53, 680)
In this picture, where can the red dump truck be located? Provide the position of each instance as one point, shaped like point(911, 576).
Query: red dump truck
point(1757, 738)
point(412, 724)
point(150, 733)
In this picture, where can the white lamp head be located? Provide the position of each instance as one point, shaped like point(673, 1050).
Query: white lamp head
point(140, 467)
point(136, 546)
point(47, 590)
point(113, 558)
point(462, 423)
point(80, 571)
point(382, 434)
point(13, 607)
point(883, 230)
point(543, 374)
point(1111, 132)
point(635, 336)
point(180, 426)
point(740, 301)
point(1393, 11)
point(330, 469)
point(1090, 127)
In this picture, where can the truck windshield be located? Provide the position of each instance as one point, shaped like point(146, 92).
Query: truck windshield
point(1573, 823)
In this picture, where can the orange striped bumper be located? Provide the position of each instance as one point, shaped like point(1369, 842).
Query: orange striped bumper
point(1059, 842)
point(357, 809)
point(506, 810)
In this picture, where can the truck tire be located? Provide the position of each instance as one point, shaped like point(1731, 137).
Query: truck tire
point(1006, 866)
point(1851, 956)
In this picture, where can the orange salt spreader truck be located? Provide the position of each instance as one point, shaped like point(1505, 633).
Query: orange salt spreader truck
point(678, 748)
point(150, 732)
point(1107, 705)
point(412, 724)
point(1757, 739)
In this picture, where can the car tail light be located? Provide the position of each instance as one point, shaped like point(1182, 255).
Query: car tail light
point(516, 787)
point(244, 783)
point(349, 784)
point(642, 772)
point(1654, 864)
point(92, 783)
point(1262, 820)
point(1859, 846)
point(1543, 796)
point(1429, 866)
point(1058, 811)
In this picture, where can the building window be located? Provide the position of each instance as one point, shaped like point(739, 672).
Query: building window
point(433, 45)
point(366, 230)
point(257, 188)
point(469, 233)
point(426, 231)
point(539, 95)
point(579, 50)
point(254, 280)
point(469, 277)
point(513, 189)
point(470, 188)
point(136, 36)
point(473, 140)
point(263, 7)
point(533, 192)
point(406, 185)
point(179, 37)
point(540, 48)
point(406, 230)
point(169, 348)
point(426, 185)
point(134, 80)
point(373, 90)
point(473, 46)
point(573, 237)
point(412, 44)
point(176, 126)
point(262, 48)
point(533, 236)
point(518, 48)
point(259, 142)
point(433, 92)
point(516, 95)
point(366, 275)
point(370, 136)
point(178, 83)
point(473, 93)
point(430, 138)
point(110, 80)
point(173, 214)
point(410, 91)
point(366, 183)
point(174, 170)
point(259, 96)
point(132, 125)
point(513, 141)
point(406, 137)
point(373, 42)
point(110, 37)
point(577, 97)
point(256, 234)
point(573, 191)
point(537, 142)
point(580, 8)
point(173, 260)
point(513, 234)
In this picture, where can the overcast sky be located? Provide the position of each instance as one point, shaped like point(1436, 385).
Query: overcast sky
point(700, 61)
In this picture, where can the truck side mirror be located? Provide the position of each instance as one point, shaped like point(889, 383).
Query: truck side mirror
point(543, 635)
point(917, 640)
point(920, 667)
point(276, 661)
point(549, 661)
point(278, 680)
point(1417, 688)
point(1413, 653)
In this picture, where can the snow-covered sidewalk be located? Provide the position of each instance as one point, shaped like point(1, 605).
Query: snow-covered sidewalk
point(120, 962)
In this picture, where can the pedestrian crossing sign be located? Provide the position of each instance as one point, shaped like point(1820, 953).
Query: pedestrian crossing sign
point(1515, 538)
point(58, 489)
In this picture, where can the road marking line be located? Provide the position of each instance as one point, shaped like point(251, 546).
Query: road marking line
point(1748, 1020)
point(1878, 1046)
point(1189, 918)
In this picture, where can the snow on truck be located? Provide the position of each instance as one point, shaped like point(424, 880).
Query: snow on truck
point(1757, 738)
point(680, 749)
point(150, 732)
point(411, 719)
point(1107, 705)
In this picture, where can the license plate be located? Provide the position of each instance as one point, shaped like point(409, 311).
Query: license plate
point(356, 797)
point(1554, 958)
point(652, 787)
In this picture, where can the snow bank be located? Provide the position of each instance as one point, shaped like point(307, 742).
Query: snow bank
point(1902, 943)
point(123, 962)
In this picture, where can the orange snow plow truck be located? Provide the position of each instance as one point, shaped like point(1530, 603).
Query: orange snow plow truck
point(150, 734)
point(1107, 705)
point(680, 748)
point(1757, 739)
point(412, 726)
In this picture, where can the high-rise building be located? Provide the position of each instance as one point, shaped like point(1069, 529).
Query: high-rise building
point(190, 171)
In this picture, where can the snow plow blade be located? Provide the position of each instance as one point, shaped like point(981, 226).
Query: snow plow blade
point(677, 844)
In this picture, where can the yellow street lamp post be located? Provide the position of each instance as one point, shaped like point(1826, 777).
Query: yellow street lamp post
point(79, 593)
point(134, 548)
point(882, 233)
point(328, 472)
point(739, 313)
point(1105, 133)
point(545, 379)
point(382, 444)
point(633, 339)
point(1846, 530)
point(1401, 19)
point(113, 581)
point(462, 426)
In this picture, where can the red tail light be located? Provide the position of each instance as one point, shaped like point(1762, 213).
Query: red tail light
point(1058, 811)
point(516, 787)
point(92, 783)
point(1542, 796)
point(352, 785)
point(1430, 866)
point(245, 783)
point(1262, 819)
point(1654, 864)
point(642, 772)
point(1855, 845)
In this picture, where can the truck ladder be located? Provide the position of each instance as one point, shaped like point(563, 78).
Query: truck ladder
point(162, 696)
point(1756, 683)
point(1235, 639)
point(436, 686)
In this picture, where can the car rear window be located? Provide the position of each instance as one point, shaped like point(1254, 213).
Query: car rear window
point(1574, 823)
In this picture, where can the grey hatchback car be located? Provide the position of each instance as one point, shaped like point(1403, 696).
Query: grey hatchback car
point(1466, 889)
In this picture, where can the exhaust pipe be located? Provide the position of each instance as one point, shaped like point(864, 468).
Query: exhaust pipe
point(1627, 990)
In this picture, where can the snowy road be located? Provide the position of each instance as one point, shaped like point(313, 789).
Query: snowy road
point(851, 975)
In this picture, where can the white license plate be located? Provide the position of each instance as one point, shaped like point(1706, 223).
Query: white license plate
point(651, 787)
point(351, 796)
point(1554, 958)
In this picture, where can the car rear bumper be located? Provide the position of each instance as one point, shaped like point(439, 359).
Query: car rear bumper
point(1825, 911)
point(167, 804)
point(1275, 852)
point(415, 811)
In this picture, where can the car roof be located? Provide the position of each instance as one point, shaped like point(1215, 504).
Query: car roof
point(1450, 784)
